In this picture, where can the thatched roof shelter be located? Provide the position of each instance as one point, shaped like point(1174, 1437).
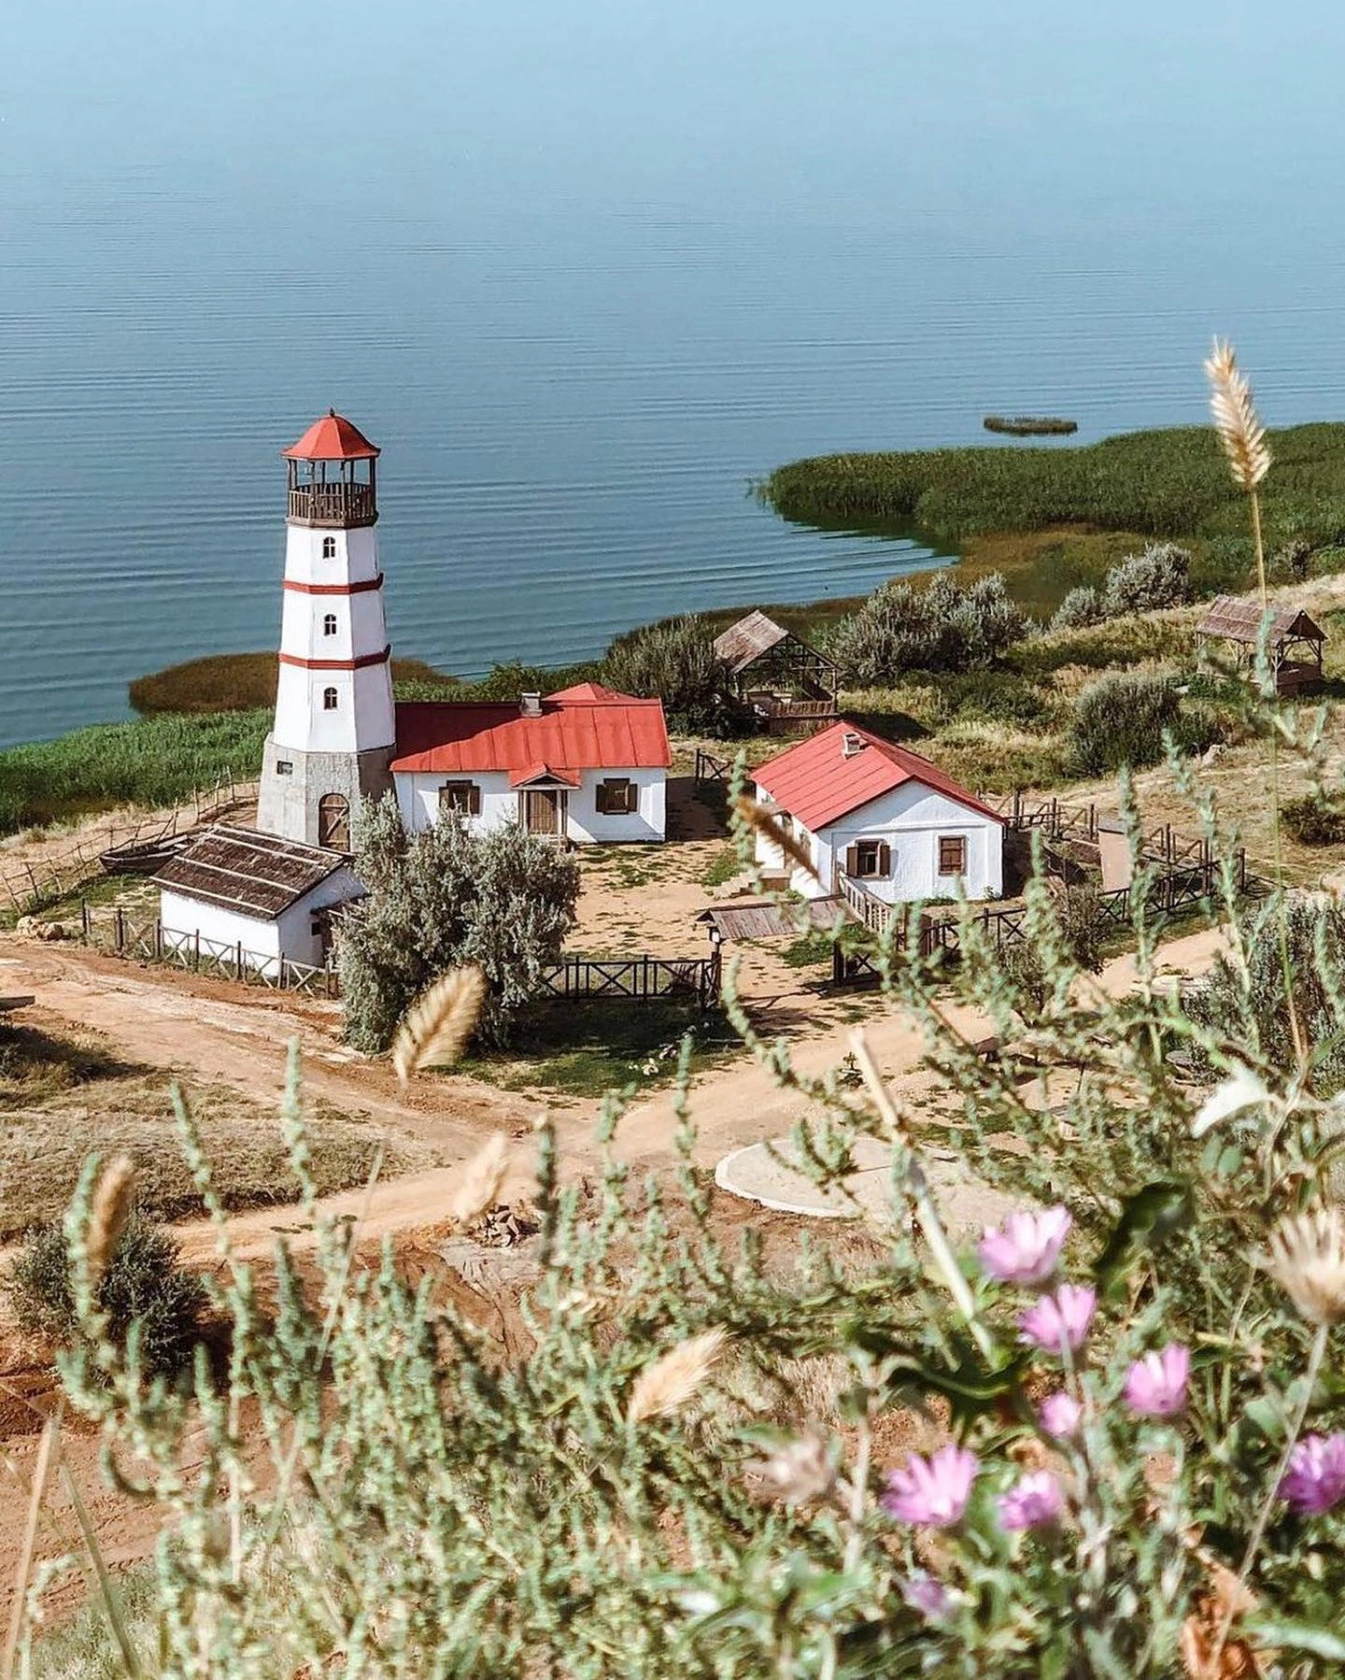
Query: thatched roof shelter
point(1294, 641)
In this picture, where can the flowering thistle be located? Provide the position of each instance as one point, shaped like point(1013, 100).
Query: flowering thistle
point(664, 1387)
point(1235, 418)
point(1059, 1321)
point(1315, 1479)
point(1307, 1259)
point(1060, 1415)
point(1155, 1386)
point(1034, 1501)
point(108, 1213)
point(934, 1491)
point(927, 1594)
point(1026, 1248)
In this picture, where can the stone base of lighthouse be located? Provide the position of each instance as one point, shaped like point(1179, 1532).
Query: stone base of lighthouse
point(295, 784)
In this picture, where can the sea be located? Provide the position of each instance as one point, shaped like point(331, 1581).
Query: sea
point(587, 273)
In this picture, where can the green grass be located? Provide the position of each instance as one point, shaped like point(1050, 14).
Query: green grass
point(156, 761)
point(723, 866)
point(240, 682)
point(588, 1048)
point(1170, 484)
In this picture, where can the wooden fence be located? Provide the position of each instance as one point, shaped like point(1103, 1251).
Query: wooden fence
point(1171, 890)
point(149, 940)
point(711, 769)
point(638, 978)
point(28, 884)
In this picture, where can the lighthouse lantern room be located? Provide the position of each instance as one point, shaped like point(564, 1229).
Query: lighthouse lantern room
point(334, 725)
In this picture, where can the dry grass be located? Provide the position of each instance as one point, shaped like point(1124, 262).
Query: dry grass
point(62, 1099)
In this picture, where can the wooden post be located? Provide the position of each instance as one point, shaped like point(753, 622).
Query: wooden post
point(198, 950)
point(84, 919)
point(121, 930)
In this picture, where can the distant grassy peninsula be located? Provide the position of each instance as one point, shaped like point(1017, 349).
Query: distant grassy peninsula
point(1168, 484)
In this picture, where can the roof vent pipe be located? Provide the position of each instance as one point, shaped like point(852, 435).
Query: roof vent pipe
point(530, 706)
point(851, 744)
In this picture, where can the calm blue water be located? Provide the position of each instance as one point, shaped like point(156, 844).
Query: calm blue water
point(584, 271)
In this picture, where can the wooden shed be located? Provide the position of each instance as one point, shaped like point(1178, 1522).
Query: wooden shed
point(1293, 640)
point(783, 678)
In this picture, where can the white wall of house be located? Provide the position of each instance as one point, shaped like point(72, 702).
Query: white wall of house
point(264, 939)
point(418, 799)
point(911, 819)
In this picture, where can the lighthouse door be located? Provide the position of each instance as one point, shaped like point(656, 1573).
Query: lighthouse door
point(334, 822)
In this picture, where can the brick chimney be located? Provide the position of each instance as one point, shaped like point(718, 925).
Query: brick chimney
point(851, 743)
point(530, 706)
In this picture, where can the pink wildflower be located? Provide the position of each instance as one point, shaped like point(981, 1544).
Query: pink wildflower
point(1315, 1479)
point(1026, 1247)
point(1155, 1386)
point(925, 1593)
point(1034, 1501)
point(1060, 1320)
point(1060, 1414)
point(933, 1491)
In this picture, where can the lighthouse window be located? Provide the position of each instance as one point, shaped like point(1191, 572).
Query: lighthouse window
point(329, 548)
point(284, 767)
point(330, 699)
point(329, 625)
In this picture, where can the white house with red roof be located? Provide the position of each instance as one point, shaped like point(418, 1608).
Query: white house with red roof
point(879, 813)
point(585, 764)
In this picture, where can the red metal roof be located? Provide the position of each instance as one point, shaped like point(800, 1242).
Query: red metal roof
point(591, 693)
point(332, 438)
point(817, 783)
point(456, 737)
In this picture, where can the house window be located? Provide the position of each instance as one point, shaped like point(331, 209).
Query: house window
point(869, 860)
point(334, 822)
point(329, 548)
point(329, 624)
point(616, 796)
point(284, 767)
point(463, 797)
point(952, 854)
point(330, 699)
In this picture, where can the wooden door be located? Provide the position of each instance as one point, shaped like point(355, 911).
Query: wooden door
point(541, 811)
point(334, 822)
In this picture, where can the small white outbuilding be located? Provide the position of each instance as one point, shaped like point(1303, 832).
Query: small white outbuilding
point(253, 898)
point(862, 807)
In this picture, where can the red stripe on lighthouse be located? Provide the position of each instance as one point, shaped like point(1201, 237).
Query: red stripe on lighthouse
point(338, 664)
point(335, 588)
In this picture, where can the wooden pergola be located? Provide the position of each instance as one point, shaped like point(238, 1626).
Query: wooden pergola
point(1293, 640)
point(783, 678)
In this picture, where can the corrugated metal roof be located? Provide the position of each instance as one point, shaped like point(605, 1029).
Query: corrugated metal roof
point(748, 639)
point(1240, 621)
point(818, 782)
point(333, 438)
point(755, 920)
point(460, 736)
point(242, 869)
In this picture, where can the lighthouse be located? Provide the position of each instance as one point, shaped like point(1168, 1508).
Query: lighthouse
point(335, 725)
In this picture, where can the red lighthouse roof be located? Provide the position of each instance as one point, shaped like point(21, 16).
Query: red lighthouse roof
point(332, 438)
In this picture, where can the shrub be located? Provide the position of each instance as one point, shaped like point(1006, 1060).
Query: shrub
point(1293, 561)
point(942, 627)
point(1073, 944)
point(1160, 577)
point(675, 661)
point(143, 1285)
point(1120, 721)
point(1081, 608)
point(1314, 820)
point(1250, 1006)
point(504, 900)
